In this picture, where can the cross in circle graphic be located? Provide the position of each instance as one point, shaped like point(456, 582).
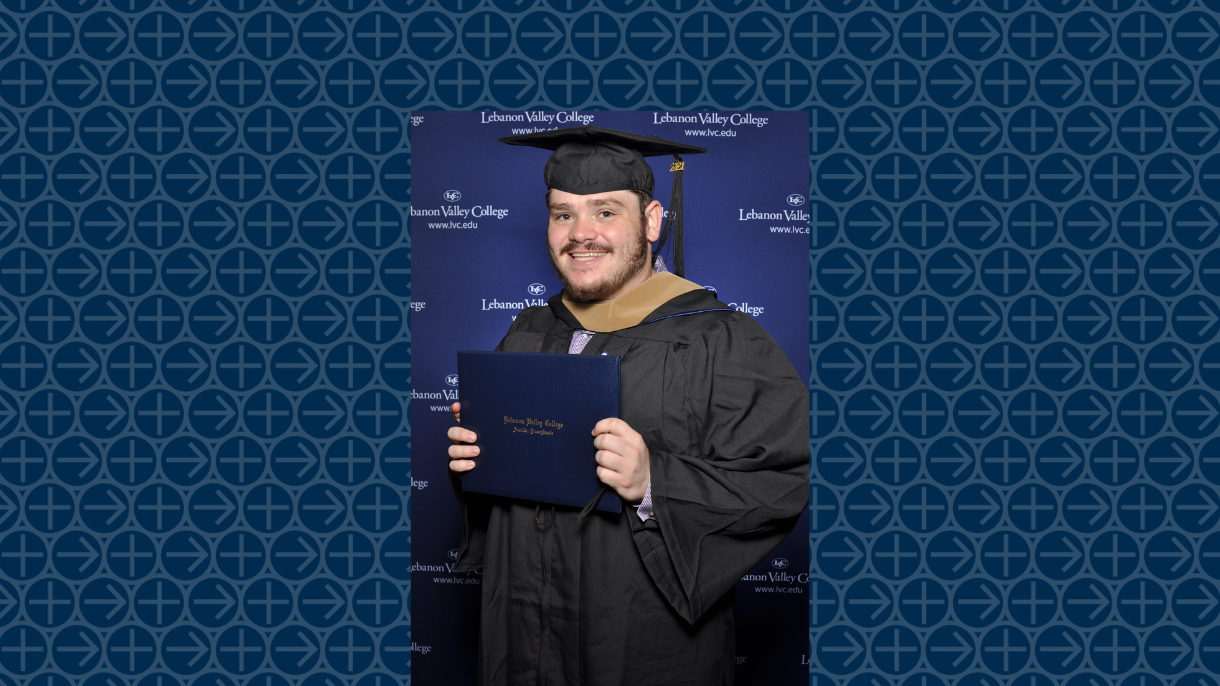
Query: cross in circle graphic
point(1033, 602)
point(160, 318)
point(1114, 82)
point(50, 601)
point(1114, 177)
point(22, 177)
point(132, 555)
point(1033, 413)
point(1033, 508)
point(241, 649)
point(351, 271)
point(1114, 554)
point(24, 83)
point(241, 82)
point(241, 177)
point(1004, 649)
point(677, 82)
point(22, 555)
point(241, 555)
point(131, 82)
point(268, 36)
point(568, 81)
point(1033, 318)
point(351, 649)
point(241, 460)
point(22, 649)
point(376, 602)
point(159, 602)
point(923, 508)
point(1006, 177)
point(160, 509)
point(268, 414)
point(897, 555)
point(268, 507)
point(377, 508)
point(1004, 461)
point(270, 601)
point(596, 35)
point(1005, 555)
point(1143, 602)
point(897, 649)
point(897, 176)
point(1114, 648)
point(1143, 413)
point(1143, 508)
point(50, 413)
point(351, 554)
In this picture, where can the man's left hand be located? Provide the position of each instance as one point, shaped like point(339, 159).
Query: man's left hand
point(622, 458)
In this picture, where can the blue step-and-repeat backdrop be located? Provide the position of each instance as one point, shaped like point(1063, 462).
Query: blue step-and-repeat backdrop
point(205, 308)
point(479, 223)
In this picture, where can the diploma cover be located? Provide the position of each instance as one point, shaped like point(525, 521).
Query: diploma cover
point(534, 415)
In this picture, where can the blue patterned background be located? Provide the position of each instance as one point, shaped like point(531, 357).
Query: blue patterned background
point(206, 298)
point(1012, 318)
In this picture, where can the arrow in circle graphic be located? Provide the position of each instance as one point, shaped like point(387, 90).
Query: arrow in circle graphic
point(199, 649)
point(963, 648)
point(962, 459)
point(198, 555)
point(308, 647)
point(225, 601)
point(962, 554)
point(854, 649)
point(1072, 555)
point(1098, 601)
point(308, 554)
point(852, 557)
point(963, 80)
point(990, 602)
point(1072, 649)
point(991, 413)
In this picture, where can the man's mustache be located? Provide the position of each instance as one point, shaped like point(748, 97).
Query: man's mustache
point(585, 247)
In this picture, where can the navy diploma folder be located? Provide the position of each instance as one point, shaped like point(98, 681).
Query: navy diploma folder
point(533, 414)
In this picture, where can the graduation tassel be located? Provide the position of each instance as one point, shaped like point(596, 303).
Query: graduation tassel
point(675, 214)
point(673, 222)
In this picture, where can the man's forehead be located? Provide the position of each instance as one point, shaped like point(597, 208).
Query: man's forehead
point(562, 199)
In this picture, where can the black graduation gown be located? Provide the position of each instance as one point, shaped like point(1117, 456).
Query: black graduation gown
point(613, 600)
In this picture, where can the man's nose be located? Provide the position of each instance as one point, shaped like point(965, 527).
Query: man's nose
point(582, 229)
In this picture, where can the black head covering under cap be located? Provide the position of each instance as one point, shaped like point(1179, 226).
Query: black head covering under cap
point(590, 159)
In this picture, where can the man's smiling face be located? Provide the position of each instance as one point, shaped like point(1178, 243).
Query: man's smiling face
point(597, 244)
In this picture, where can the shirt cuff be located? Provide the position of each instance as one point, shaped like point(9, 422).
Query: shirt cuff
point(644, 509)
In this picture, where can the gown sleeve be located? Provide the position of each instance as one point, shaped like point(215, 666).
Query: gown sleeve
point(741, 480)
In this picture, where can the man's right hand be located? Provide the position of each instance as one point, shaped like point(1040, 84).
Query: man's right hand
point(460, 452)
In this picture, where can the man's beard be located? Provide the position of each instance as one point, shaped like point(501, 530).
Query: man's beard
point(637, 252)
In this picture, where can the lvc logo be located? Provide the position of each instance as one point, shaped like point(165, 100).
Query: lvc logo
point(452, 379)
point(453, 196)
point(796, 200)
point(453, 554)
point(536, 289)
point(779, 563)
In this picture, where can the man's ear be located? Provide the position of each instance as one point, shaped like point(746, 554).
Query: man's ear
point(655, 216)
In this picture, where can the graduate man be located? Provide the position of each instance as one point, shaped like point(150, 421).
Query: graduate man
point(711, 451)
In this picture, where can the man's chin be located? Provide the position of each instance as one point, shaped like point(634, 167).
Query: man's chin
point(585, 290)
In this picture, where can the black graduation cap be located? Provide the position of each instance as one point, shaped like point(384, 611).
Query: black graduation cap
point(590, 159)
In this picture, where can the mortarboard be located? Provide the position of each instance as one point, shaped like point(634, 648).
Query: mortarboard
point(590, 159)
